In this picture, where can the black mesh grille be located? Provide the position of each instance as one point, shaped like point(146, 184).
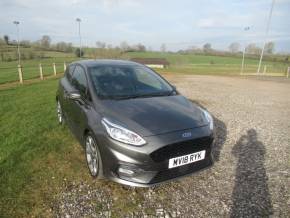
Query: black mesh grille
point(182, 170)
point(181, 148)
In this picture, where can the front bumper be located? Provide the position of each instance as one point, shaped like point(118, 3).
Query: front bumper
point(148, 165)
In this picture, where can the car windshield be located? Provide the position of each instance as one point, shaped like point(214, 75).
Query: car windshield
point(120, 82)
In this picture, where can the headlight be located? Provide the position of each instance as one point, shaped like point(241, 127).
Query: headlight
point(122, 134)
point(209, 119)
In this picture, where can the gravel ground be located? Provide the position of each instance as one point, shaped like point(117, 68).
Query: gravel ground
point(251, 176)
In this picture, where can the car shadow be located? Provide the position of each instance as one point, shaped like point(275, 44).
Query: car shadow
point(220, 134)
point(250, 196)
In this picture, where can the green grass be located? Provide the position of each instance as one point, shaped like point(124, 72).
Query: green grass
point(207, 64)
point(39, 158)
point(36, 154)
point(182, 63)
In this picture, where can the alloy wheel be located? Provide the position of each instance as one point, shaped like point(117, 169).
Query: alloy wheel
point(92, 156)
point(59, 113)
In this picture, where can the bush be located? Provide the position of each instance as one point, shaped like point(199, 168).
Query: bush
point(78, 53)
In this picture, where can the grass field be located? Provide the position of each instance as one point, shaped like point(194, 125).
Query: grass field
point(207, 64)
point(190, 64)
point(38, 157)
point(36, 154)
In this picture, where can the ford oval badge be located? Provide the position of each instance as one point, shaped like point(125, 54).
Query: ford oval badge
point(186, 135)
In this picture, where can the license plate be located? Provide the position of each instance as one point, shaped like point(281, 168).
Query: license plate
point(186, 159)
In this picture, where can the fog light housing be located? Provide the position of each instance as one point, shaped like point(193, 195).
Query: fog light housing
point(134, 174)
point(125, 171)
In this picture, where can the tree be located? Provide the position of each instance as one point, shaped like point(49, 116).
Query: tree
point(45, 41)
point(253, 49)
point(6, 38)
point(269, 47)
point(234, 47)
point(141, 47)
point(100, 44)
point(124, 46)
point(63, 46)
point(138, 47)
point(163, 47)
point(25, 43)
point(69, 47)
point(78, 53)
point(207, 47)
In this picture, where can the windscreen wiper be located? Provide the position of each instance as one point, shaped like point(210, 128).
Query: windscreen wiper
point(122, 97)
point(152, 95)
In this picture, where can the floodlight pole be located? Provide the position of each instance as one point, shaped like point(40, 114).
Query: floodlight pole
point(18, 49)
point(243, 60)
point(79, 23)
point(267, 32)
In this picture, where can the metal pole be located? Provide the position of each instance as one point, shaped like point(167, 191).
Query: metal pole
point(18, 49)
point(267, 32)
point(79, 22)
point(243, 60)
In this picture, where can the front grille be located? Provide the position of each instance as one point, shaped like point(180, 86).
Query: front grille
point(181, 148)
point(182, 170)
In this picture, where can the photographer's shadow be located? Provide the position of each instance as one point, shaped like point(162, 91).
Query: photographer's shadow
point(251, 197)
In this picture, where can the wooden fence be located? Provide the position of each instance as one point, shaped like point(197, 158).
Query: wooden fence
point(22, 73)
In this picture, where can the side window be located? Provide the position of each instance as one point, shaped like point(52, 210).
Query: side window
point(69, 71)
point(79, 80)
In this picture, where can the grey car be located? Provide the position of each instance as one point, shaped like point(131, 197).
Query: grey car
point(136, 128)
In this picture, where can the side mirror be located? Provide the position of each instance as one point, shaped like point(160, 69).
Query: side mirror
point(75, 95)
point(174, 89)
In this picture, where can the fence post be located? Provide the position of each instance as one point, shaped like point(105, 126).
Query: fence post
point(265, 69)
point(288, 72)
point(64, 66)
point(20, 73)
point(54, 69)
point(40, 71)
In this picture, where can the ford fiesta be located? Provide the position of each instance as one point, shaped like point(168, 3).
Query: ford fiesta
point(135, 127)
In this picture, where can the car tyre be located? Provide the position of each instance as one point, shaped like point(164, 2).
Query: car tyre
point(93, 157)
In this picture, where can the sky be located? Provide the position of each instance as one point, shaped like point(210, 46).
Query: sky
point(177, 23)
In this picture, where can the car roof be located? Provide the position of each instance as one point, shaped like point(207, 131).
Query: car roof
point(102, 62)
